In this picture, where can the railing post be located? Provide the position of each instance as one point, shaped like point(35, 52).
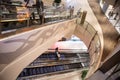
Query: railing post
point(83, 17)
point(0, 24)
point(28, 22)
point(117, 22)
point(0, 28)
point(0, 20)
point(92, 40)
point(86, 26)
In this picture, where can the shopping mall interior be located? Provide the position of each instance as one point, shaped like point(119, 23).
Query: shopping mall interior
point(59, 39)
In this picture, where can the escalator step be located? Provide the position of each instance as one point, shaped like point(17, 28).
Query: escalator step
point(34, 71)
point(51, 69)
point(37, 71)
point(44, 69)
point(41, 70)
point(30, 72)
point(54, 69)
point(62, 56)
point(48, 69)
point(57, 68)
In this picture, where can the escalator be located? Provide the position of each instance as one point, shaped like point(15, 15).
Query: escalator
point(47, 64)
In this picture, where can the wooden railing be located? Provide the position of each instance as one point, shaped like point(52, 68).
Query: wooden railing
point(92, 40)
